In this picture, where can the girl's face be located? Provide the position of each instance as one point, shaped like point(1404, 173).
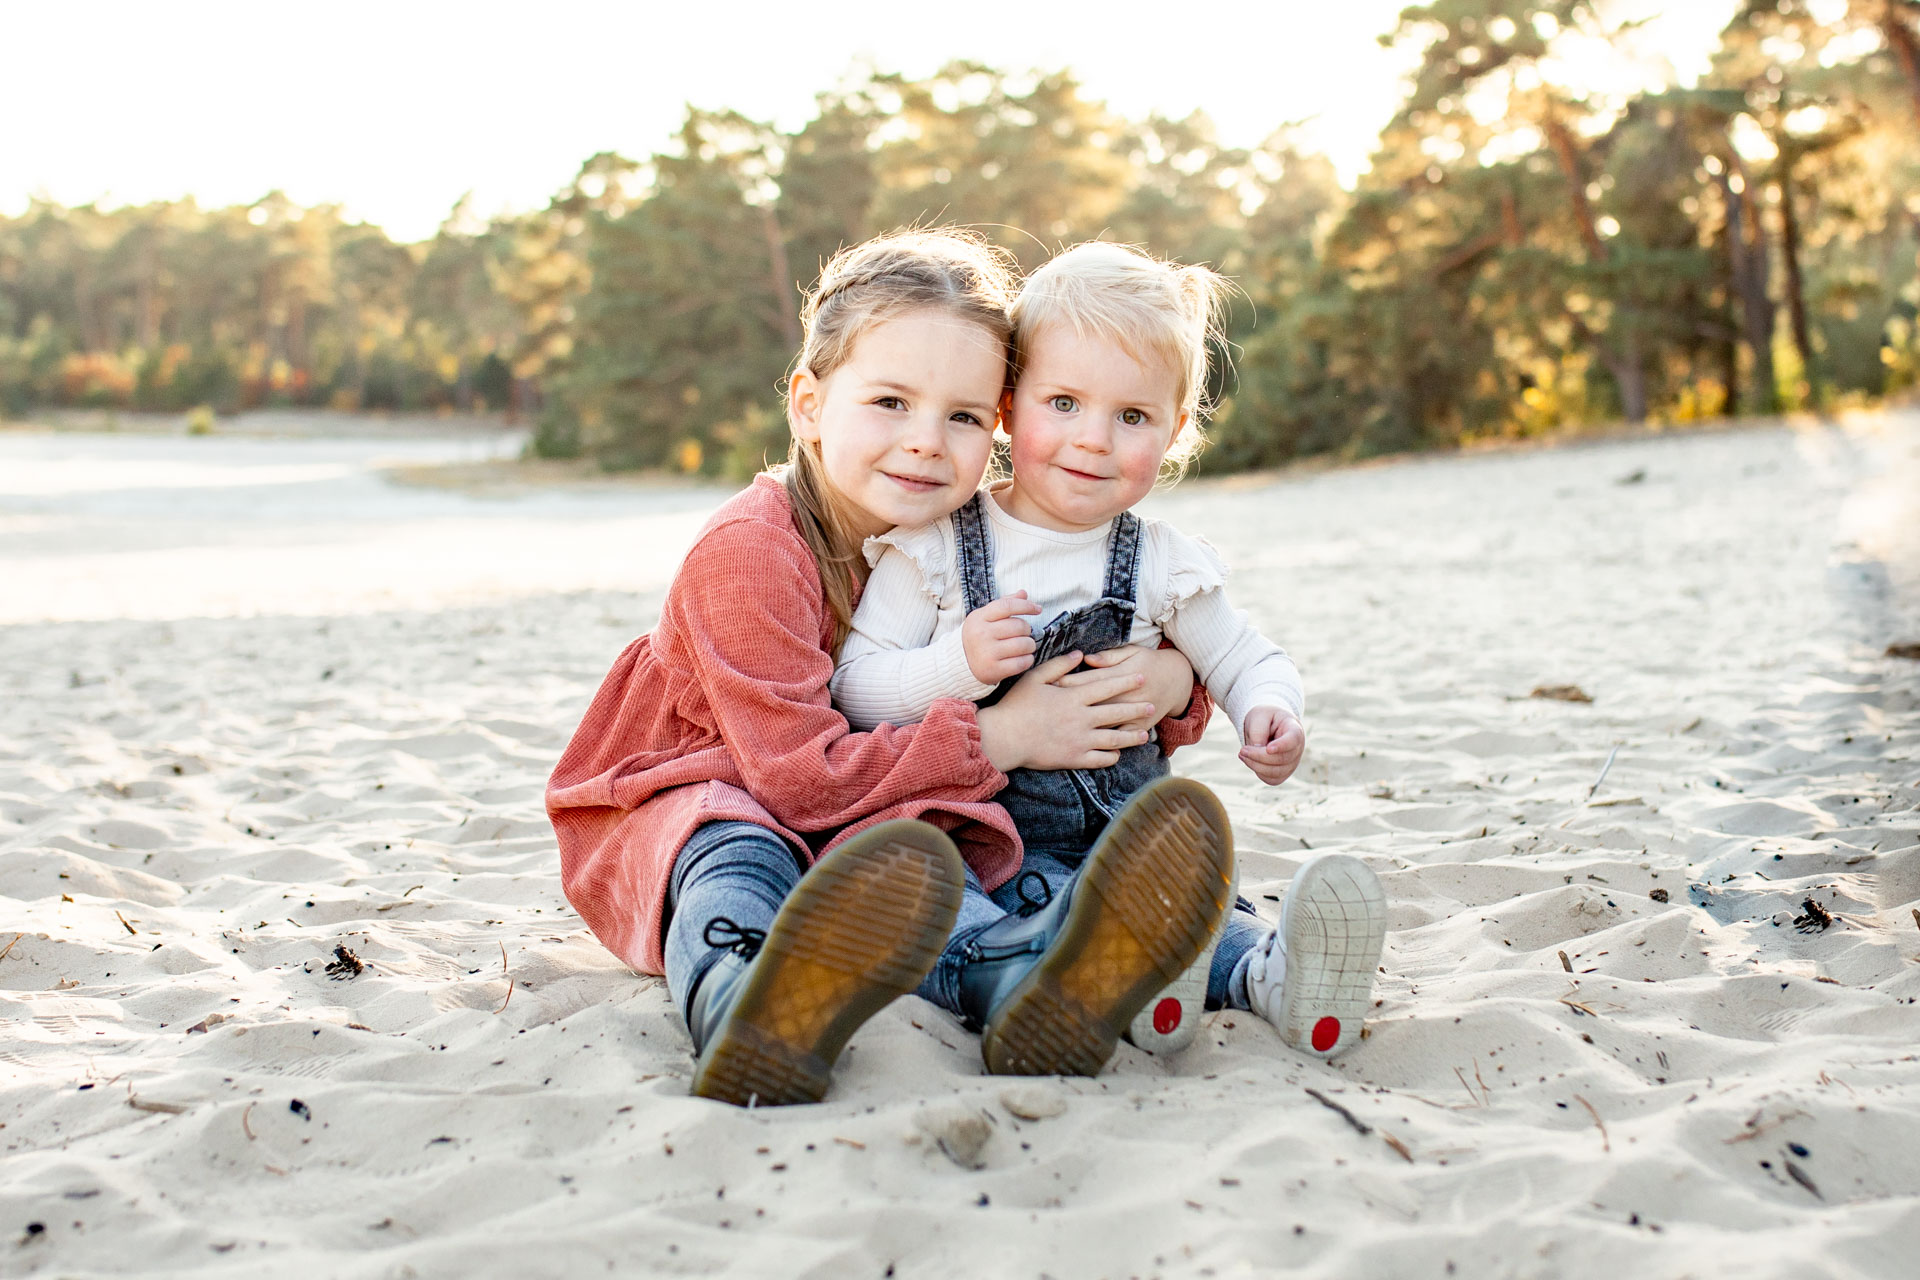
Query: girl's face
point(1090, 425)
point(905, 425)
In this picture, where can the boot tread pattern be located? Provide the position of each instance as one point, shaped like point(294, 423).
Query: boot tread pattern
point(1145, 908)
point(861, 928)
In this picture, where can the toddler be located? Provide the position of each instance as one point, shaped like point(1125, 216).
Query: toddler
point(1110, 367)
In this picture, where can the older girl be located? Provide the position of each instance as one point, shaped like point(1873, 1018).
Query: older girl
point(718, 820)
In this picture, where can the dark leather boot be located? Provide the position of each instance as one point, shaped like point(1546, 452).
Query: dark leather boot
point(1056, 988)
point(864, 925)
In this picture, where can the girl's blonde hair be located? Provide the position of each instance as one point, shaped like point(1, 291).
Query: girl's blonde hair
point(1154, 309)
point(948, 269)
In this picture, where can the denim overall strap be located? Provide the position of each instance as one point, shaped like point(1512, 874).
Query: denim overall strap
point(976, 558)
point(1123, 562)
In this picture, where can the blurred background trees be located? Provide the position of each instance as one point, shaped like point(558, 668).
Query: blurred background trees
point(1531, 249)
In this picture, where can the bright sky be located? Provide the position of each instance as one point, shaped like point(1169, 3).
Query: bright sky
point(396, 108)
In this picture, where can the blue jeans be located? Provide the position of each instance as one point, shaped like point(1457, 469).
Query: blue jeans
point(732, 869)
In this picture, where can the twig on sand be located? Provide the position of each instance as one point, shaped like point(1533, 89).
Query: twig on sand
point(503, 1003)
point(18, 936)
point(1578, 1007)
point(850, 1142)
point(1478, 1101)
point(1754, 1126)
point(244, 1125)
point(1606, 1143)
point(1566, 963)
point(1603, 772)
point(123, 923)
point(1916, 918)
point(1360, 1126)
point(1399, 1147)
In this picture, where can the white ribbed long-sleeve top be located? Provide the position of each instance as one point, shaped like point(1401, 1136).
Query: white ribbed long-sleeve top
point(904, 651)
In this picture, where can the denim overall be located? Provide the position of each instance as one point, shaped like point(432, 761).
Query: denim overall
point(1067, 809)
point(1061, 813)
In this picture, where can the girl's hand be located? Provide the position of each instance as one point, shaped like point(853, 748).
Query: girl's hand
point(996, 639)
point(1042, 724)
point(1169, 678)
point(1274, 741)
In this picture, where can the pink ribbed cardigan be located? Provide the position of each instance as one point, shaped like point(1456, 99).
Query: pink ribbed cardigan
point(722, 712)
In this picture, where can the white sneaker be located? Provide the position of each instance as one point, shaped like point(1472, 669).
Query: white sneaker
point(1314, 977)
point(1172, 1019)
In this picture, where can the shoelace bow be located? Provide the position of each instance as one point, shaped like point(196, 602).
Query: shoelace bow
point(722, 932)
point(1029, 905)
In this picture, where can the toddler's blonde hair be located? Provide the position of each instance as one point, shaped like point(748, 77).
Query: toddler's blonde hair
point(947, 269)
point(1154, 309)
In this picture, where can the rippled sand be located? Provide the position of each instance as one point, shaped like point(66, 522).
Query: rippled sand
point(260, 703)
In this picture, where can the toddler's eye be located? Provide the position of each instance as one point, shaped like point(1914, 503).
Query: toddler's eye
point(964, 416)
point(1062, 404)
point(1133, 417)
point(890, 402)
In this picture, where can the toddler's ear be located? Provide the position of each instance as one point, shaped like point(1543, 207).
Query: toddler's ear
point(804, 397)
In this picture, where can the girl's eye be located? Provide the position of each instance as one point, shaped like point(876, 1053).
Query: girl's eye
point(1133, 417)
point(891, 402)
point(1062, 404)
point(969, 419)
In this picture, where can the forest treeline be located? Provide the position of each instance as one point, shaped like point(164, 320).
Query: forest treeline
point(1525, 253)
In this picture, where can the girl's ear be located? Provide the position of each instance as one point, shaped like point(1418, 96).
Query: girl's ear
point(1005, 425)
point(804, 397)
point(1179, 427)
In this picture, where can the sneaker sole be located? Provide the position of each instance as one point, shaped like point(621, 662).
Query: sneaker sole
point(1171, 1020)
point(1148, 899)
point(1335, 920)
point(863, 927)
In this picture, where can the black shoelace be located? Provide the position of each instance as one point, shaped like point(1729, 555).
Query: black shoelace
point(722, 932)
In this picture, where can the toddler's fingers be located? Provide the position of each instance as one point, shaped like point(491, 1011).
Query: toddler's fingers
point(1114, 657)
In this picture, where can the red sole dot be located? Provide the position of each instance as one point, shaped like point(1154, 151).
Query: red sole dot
point(1166, 1016)
point(1326, 1033)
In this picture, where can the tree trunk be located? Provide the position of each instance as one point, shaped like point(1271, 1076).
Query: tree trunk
point(146, 300)
point(1748, 261)
point(780, 277)
point(1629, 373)
point(1906, 49)
point(1566, 151)
point(1790, 259)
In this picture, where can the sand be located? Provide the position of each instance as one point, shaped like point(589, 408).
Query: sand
point(258, 702)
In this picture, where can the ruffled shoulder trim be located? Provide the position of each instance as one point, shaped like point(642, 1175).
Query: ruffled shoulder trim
point(928, 546)
point(1190, 566)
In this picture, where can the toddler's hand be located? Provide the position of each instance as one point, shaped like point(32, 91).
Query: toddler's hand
point(1273, 742)
point(997, 641)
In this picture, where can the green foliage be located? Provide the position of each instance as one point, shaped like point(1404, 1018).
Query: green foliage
point(1527, 253)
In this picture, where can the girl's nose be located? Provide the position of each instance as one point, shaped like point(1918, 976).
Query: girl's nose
point(926, 434)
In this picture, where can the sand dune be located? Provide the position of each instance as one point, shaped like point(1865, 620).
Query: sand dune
point(248, 719)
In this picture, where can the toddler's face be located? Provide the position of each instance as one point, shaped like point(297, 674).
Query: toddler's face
point(905, 426)
point(1090, 425)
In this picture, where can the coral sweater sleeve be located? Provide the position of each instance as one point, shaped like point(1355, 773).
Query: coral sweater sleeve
point(751, 621)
